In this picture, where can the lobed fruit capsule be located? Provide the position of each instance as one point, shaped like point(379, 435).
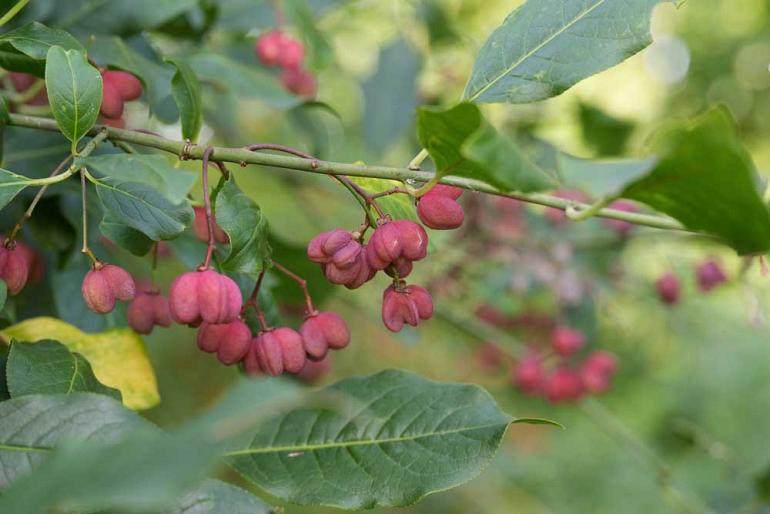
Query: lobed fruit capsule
point(118, 87)
point(668, 288)
point(230, 341)
point(597, 371)
point(198, 296)
point(147, 309)
point(396, 241)
point(276, 351)
point(438, 208)
point(299, 81)
point(709, 275)
point(322, 331)
point(528, 374)
point(279, 48)
point(563, 385)
point(405, 304)
point(104, 285)
point(342, 258)
point(565, 341)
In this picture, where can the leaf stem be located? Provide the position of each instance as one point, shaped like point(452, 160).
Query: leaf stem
point(13, 11)
point(418, 159)
point(243, 156)
point(86, 250)
point(212, 245)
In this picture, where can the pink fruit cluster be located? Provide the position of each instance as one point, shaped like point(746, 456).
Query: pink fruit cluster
point(19, 264)
point(118, 87)
point(104, 284)
point(709, 274)
point(148, 309)
point(278, 48)
point(438, 208)
point(556, 377)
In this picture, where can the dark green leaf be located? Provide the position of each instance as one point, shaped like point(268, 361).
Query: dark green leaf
point(391, 96)
point(152, 170)
point(118, 17)
point(247, 228)
point(391, 439)
point(124, 236)
point(48, 367)
point(141, 207)
point(33, 424)
point(74, 91)
point(606, 134)
point(463, 144)
point(4, 118)
point(35, 39)
point(603, 177)
point(320, 52)
point(546, 46)
point(3, 294)
point(217, 497)
point(705, 179)
point(187, 95)
point(11, 184)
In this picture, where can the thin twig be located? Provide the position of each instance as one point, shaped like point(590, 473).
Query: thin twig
point(309, 308)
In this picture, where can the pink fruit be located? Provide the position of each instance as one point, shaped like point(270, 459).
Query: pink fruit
point(314, 371)
point(208, 296)
point(298, 81)
point(292, 52)
point(322, 331)
point(14, 267)
point(438, 208)
point(342, 258)
point(602, 362)
point(621, 228)
point(406, 304)
point(269, 47)
point(563, 385)
point(128, 86)
point(201, 230)
point(668, 288)
point(147, 309)
point(597, 371)
point(394, 240)
point(278, 350)
point(709, 275)
point(104, 284)
point(528, 374)
point(112, 102)
point(231, 341)
point(566, 341)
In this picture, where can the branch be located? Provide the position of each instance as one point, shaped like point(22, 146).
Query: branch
point(243, 156)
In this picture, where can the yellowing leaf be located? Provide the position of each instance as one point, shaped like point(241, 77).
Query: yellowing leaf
point(118, 357)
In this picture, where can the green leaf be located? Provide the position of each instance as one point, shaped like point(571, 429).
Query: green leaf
point(74, 91)
point(124, 236)
point(391, 439)
point(463, 144)
point(35, 40)
point(143, 208)
point(3, 294)
point(117, 356)
point(118, 17)
point(601, 177)
point(150, 169)
point(399, 206)
point(546, 46)
point(186, 91)
point(705, 179)
point(48, 367)
point(319, 50)
point(247, 228)
point(4, 119)
point(217, 497)
point(34, 424)
point(11, 184)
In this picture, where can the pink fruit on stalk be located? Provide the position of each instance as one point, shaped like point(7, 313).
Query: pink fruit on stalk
point(342, 258)
point(118, 87)
point(668, 288)
point(603, 362)
point(14, 267)
point(563, 385)
point(395, 240)
point(405, 305)
point(198, 296)
point(620, 227)
point(597, 371)
point(231, 341)
point(112, 102)
point(278, 350)
point(147, 309)
point(104, 285)
point(279, 48)
point(298, 81)
point(201, 229)
point(709, 275)
point(315, 370)
point(438, 208)
point(528, 374)
point(565, 341)
point(322, 331)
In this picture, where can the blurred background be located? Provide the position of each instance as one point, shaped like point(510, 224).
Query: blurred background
point(682, 428)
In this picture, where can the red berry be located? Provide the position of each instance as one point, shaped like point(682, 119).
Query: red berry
point(400, 239)
point(208, 296)
point(603, 362)
point(563, 385)
point(147, 309)
point(128, 86)
point(14, 267)
point(566, 341)
point(269, 47)
point(322, 331)
point(342, 258)
point(278, 350)
point(668, 288)
point(709, 274)
point(292, 52)
point(231, 341)
point(112, 102)
point(597, 371)
point(528, 374)
point(407, 304)
point(438, 208)
point(201, 230)
point(298, 81)
point(621, 228)
point(104, 284)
